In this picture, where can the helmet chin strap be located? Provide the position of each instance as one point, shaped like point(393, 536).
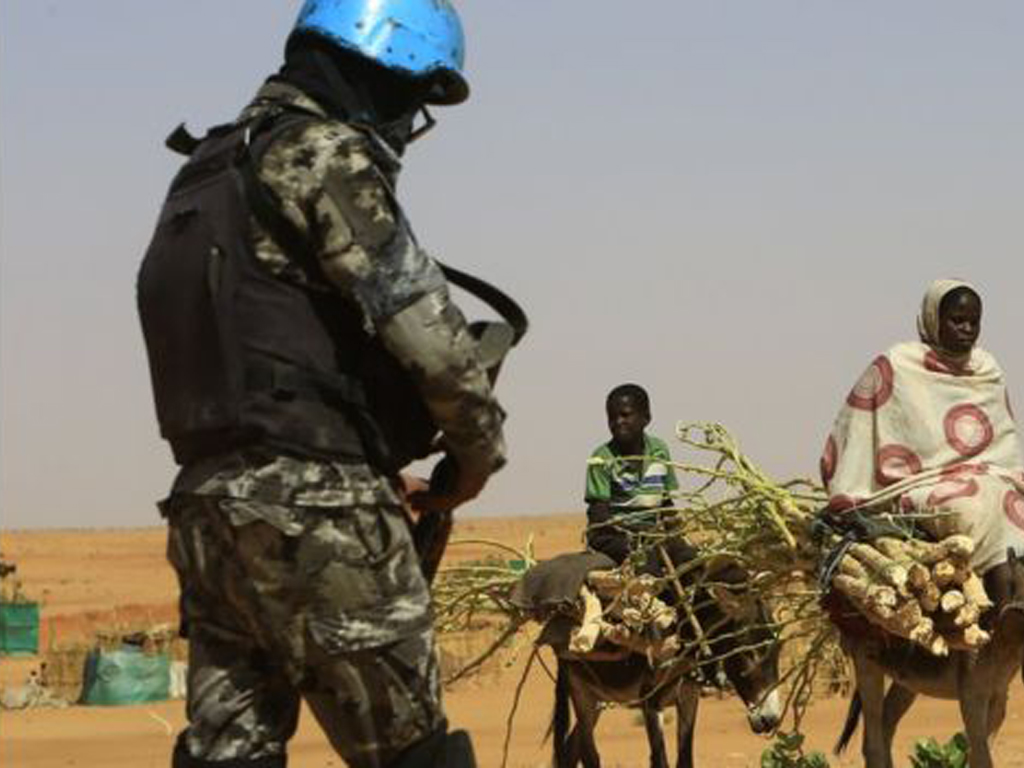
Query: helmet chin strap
point(425, 127)
point(402, 132)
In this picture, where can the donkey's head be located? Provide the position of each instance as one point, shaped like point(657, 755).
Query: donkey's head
point(1010, 588)
point(1006, 581)
point(1016, 580)
point(742, 634)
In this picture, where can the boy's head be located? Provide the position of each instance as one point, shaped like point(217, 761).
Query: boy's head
point(629, 413)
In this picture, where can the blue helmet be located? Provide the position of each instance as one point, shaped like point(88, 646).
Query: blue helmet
point(419, 38)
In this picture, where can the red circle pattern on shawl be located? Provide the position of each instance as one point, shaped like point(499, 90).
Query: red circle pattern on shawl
point(935, 364)
point(1013, 505)
point(894, 463)
point(952, 488)
point(827, 464)
point(873, 388)
point(968, 430)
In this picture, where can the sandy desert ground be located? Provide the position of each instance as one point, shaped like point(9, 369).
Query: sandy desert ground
point(95, 580)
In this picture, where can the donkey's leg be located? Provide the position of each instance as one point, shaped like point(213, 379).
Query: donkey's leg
point(897, 701)
point(974, 701)
point(974, 687)
point(581, 746)
point(562, 735)
point(871, 687)
point(996, 714)
point(655, 735)
point(687, 699)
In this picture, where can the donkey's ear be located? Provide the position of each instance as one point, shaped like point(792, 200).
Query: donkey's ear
point(1011, 557)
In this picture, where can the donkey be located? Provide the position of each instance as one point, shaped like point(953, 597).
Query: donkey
point(739, 632)
point(977, 679)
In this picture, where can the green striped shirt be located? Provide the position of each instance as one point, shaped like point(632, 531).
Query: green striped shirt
point(631, 485)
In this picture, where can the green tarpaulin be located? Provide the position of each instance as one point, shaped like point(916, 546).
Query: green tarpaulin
point(126, 676)
point(19, 628)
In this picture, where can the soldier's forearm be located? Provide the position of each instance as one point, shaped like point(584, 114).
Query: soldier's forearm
point(431, 340)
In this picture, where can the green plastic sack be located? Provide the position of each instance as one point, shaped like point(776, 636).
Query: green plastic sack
point(19, 628)
point(125, 676)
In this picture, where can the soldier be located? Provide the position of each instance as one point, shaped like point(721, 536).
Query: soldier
point(281, 286)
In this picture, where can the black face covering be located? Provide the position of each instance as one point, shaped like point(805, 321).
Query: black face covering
point(352, 88)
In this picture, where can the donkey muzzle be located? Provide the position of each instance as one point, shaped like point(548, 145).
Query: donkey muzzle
point(767, 714)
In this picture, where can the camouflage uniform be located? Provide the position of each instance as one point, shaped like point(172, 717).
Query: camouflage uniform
point(298, 576)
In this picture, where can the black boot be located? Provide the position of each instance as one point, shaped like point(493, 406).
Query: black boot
point(439, 750)
point(458, 751)
point(183, 759)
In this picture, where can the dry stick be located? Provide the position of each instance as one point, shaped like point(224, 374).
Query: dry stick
point(734, 652)
point(477, 569)
point(755, 478)
point(691, 617)
point(759, 487)
point(488, 542)
point(510, 630)
point(544, 666)
point(803, 688)
point(469, 595)
point(515, 705)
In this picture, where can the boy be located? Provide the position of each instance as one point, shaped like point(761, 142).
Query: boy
point(629, 474)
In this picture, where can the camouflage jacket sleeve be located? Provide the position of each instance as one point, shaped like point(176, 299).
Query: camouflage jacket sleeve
point(334, 185)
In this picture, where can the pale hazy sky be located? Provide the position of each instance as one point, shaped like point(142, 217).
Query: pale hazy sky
point(736, 203)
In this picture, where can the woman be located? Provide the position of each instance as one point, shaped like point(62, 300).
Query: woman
point(928, 426)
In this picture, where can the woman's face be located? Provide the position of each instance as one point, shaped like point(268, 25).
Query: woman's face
point(960, 321)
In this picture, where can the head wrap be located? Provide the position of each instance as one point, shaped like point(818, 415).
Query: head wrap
point(928, 320)
point(352, 88)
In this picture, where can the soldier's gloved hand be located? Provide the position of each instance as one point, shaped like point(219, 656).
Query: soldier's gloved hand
point(409, 486)
point(452, 483)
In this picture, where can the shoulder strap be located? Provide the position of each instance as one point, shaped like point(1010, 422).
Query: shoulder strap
point(263, 201)
point(494, 297)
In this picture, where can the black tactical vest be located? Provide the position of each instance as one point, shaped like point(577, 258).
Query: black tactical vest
point(240, 357)
point(237, 355)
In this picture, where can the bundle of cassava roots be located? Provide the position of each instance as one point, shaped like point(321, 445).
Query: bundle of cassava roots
point(624, 610)
point(924, 592)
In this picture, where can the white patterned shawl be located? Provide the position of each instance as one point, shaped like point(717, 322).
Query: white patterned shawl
point(937, 436)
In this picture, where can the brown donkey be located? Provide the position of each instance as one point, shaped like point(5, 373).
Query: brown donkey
point(741, 633)
point(977, 679)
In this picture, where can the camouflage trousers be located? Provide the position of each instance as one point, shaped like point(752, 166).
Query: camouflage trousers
point(283, 604)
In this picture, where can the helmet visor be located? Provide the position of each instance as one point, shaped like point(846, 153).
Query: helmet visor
point(446, 88)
